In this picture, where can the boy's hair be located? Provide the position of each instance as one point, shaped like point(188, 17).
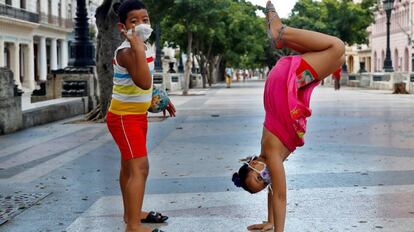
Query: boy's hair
point(239, 178)
point(124, 7)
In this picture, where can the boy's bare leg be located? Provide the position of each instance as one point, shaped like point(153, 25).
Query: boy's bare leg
point(134, 193)
point(123, 179)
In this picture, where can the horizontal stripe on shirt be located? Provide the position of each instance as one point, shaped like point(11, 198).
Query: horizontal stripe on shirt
point(130, 90)
point(124, 108)
point(133, 98)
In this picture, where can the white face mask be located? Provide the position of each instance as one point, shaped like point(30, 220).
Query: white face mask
point(143, 31)
point(264, 173)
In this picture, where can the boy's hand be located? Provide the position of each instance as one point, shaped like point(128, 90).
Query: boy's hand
point(261, 227)
point(171, 110)
point(133, 38)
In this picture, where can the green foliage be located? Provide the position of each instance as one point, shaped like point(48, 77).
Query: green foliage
point(226, 28)
point(342, 18)
point(231, 29)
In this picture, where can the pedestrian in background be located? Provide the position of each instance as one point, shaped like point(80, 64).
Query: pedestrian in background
point(229, 75)
point(336, 76)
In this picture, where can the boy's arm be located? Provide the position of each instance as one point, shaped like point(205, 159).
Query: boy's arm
point(135, 61)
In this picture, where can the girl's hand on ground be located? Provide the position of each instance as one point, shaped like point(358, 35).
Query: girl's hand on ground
point(261, 227)
point(171, 110)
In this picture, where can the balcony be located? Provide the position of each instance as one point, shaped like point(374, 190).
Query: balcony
point(17, 13)
point(56, 21)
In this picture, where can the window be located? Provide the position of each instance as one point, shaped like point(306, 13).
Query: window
point(69, 16)
point(60, 12)
point(49, 10)
point(23, 4)
point(9, 2)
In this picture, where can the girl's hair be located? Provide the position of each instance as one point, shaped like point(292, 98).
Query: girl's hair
point(239, 178)
point(124, 7)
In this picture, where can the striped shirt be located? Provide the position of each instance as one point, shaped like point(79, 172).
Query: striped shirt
point(127, 98)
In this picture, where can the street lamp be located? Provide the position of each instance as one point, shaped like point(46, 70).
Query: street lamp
point(388, 5)
point(82, 50)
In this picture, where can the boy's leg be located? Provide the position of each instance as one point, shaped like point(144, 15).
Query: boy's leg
point(134, 191)
point(123, 180)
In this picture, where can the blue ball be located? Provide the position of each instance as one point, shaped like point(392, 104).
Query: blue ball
point(159, 101)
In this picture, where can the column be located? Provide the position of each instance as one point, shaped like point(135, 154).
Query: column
point(15, 64)
point(53, 55)
point(64, 53)
point(2, 64)
point(29, 79)
point(42, 60)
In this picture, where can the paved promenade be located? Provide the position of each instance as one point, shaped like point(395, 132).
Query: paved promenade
point(355, 173)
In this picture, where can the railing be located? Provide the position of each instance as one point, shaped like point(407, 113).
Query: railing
point(56, 21)
point(19, 13)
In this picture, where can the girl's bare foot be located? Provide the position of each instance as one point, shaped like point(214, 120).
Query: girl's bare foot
point(275, 27)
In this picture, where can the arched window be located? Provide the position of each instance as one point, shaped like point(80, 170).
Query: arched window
point(351, 64)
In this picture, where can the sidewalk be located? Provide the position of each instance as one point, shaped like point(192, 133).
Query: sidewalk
point(354, 173)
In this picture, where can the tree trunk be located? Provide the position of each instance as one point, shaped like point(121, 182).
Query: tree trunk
point(217, 75)
point(211, 72)
point(108, 40)
point(188, 64)
point(201, 59)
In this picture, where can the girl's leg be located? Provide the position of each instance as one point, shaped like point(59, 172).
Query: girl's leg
point(323, 52)
point(135, 188)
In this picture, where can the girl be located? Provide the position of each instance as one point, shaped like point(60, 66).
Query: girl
point(127, 116)
point(286, 100)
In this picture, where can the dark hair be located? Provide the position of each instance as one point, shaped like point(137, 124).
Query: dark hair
point(239, 178)
point(124, 7)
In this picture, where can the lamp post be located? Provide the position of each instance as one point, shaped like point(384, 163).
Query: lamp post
point(388, 5)
point(82, 50)
point(158, 52)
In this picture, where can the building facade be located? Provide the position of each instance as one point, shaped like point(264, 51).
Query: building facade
point(34, 38)
point(400, 36)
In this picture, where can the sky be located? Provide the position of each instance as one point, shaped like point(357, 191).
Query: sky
point(283, 7)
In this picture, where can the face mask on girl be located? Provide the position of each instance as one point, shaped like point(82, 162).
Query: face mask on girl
point(143, 31)
point(264, 173)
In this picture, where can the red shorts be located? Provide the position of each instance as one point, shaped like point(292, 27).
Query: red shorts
point(129, 133)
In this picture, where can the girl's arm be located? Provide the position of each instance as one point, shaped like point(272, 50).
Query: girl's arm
point(274, 153)
point(278, 198)
point(270, 218)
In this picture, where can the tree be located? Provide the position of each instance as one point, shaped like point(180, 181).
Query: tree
point(180, 22)
point(107, 41)
point(342, 18)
